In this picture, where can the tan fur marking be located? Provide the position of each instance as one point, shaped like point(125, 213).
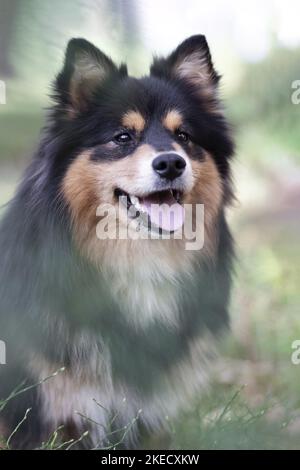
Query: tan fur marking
point(173, 120)
point(134, 120)
point(89, 184)
point(80, 191)
point(208, 190)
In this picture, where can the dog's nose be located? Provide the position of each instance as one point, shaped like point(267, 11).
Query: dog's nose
point(169, 165)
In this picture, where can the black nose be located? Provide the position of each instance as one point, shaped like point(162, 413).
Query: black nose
point(169, 165)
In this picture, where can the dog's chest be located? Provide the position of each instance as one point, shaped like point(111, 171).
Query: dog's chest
point(148, 289)
point(148, 299)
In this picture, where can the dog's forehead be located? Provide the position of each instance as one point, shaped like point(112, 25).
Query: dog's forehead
point(148, 101)
point(139, 100)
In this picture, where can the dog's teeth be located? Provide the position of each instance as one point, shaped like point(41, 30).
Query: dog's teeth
point(135, 200)
point(177, 196)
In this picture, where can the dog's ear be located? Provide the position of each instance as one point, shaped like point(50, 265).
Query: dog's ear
point(85, 69)
point(191, 62)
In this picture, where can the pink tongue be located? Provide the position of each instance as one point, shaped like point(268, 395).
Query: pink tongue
point(165, 212)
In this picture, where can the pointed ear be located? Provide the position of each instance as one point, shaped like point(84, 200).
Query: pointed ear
point(191, 62)
point(85, 68)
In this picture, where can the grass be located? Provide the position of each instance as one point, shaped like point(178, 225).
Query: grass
point(56, 441)
point(224, 420)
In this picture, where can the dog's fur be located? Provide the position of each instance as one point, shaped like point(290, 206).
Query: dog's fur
point(133, 322)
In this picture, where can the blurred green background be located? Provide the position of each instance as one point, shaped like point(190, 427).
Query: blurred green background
point(254, 399)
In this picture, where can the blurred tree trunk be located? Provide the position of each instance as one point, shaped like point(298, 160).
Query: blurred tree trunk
point(128, 11)
point(8, 10)
point(125, 14)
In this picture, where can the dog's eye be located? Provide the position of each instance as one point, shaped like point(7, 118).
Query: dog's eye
point(182, 136)
point(123, 138)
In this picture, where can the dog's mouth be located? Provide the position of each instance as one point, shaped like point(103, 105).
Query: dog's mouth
point(161, 210)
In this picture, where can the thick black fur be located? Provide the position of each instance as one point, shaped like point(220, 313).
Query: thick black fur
point(42, 275)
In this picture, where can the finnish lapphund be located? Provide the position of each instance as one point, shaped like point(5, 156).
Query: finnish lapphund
point(107, 336)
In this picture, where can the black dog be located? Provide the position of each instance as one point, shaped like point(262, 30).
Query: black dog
point(133, 320)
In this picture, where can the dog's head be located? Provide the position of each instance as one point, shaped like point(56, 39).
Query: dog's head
point(152, 143)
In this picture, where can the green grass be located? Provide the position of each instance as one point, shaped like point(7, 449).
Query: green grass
point(56, 440)
point(224, 420)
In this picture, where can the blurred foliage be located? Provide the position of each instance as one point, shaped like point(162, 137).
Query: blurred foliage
point(263, 98)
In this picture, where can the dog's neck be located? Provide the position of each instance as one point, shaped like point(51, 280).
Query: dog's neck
point(145, 277)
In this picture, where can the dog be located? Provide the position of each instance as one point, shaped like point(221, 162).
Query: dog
point(111, 333)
